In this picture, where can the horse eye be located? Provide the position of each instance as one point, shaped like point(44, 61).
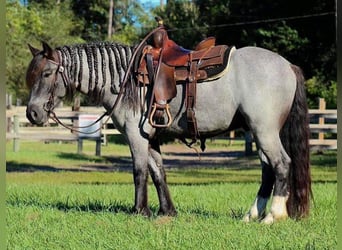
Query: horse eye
point(47, 73)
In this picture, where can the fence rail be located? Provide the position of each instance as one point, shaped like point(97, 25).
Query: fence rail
point(19, 128)
point(323, 128)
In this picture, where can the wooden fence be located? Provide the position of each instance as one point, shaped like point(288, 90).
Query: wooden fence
point(19, 128)
point(323, 128)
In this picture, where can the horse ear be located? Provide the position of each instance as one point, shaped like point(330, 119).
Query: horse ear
point(33, 50)
point(47, 50)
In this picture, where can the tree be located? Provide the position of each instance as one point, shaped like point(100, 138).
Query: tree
point(59, 22)
point(128, 16)
point(301, 31)
point(181, 18)
point(33, 24)
point(94, 15)
point(131, 28)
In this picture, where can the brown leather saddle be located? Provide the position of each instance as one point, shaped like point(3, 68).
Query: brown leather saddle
point(164, 64)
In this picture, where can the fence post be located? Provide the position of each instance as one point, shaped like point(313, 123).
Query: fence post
point(8, 101)
point(79, 145)
point(98, 147)
point(9, 124)
point(16, 134)
point(231, 137)
point(322, 106)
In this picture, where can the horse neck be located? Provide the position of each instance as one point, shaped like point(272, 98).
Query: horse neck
point(96, 69)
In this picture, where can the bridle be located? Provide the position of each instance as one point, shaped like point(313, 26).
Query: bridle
point(70, 87)
point(49, 105)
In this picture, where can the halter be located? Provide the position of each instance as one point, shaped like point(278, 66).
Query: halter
point(48, 107)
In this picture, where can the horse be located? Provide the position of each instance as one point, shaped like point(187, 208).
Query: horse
point(261, 91)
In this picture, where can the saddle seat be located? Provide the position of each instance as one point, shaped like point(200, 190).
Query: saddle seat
point(175, 55)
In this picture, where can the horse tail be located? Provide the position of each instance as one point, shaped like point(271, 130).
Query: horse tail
point(295, 138)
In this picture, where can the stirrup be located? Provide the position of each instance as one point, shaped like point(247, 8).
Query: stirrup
point(163, 107)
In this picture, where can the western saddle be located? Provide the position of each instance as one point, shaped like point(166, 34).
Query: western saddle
point(163, 64)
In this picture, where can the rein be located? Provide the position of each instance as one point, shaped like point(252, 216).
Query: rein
point(48, 107)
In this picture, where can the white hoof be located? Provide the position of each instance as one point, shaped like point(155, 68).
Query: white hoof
point(257, 210)
point(249, 217)
point(278, 210)
point(268, 220)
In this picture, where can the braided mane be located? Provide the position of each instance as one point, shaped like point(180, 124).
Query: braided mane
point(106, 62)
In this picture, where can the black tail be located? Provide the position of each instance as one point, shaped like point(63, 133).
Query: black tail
point(295, 138)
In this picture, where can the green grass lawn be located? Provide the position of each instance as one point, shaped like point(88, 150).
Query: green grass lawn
point(52, 203)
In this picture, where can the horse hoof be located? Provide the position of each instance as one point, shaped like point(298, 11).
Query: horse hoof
point(249, 217)
point(268, 220)
point(271, 218)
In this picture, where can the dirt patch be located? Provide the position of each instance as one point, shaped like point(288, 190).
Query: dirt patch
point(180, 156)
point(175, 156)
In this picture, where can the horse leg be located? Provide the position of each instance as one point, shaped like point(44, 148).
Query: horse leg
point(140, 174)
point(273, 150)
point(275, 171)
point(258, 208)
point(281, 166)
point(157, 171)
point(139, 151)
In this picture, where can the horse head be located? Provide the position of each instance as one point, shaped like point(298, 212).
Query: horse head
point(44, 78)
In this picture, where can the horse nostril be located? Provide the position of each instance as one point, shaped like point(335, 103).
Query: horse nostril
point(32, 115)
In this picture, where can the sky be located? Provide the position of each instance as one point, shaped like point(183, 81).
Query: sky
point(146, 3)
point(150, 3)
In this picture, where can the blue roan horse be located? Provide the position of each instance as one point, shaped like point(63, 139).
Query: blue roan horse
point(261, 91)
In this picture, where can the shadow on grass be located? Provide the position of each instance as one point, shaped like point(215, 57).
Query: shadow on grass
point(13, 166)
point(95, 207)
point(115, 207)
point(85, 164)
point(232, 164)
point(211, 154)
point(215, 160)
point(90, 206)
point(78, 157)
point(325, 159)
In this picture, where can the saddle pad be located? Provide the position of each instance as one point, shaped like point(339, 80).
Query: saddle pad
point(217, 71)
point(209, 72)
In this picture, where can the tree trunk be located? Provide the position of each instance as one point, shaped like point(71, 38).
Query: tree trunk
point(110, 18)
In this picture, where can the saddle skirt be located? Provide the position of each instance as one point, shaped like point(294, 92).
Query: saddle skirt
point(211, 67)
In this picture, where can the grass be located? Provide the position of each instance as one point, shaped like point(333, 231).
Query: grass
point(51, 204)
point(98, 217)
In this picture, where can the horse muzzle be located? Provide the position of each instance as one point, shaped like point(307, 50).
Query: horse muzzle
point(36, 114)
